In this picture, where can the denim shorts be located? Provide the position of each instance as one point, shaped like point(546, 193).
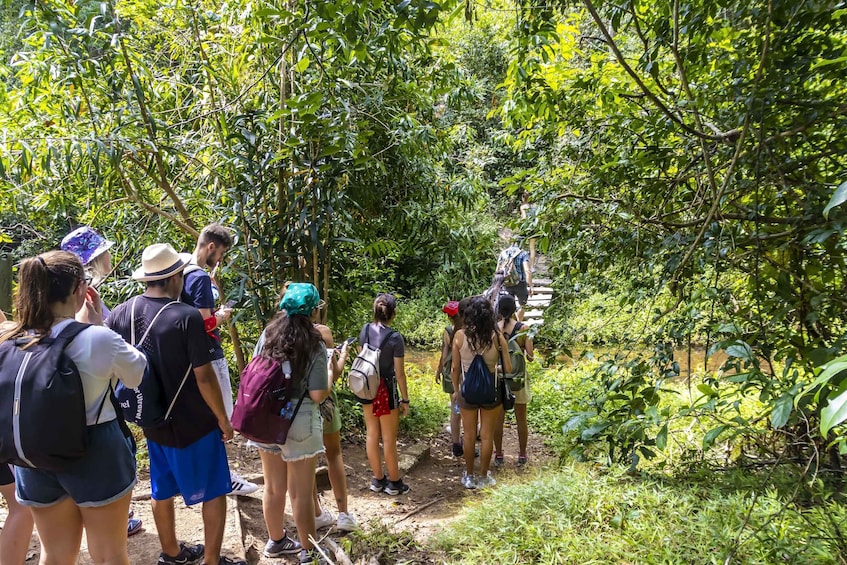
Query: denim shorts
point(199, 472)
point(305, 437)
point(105, 474)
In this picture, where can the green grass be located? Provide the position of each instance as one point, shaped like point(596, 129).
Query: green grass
point(578, 514)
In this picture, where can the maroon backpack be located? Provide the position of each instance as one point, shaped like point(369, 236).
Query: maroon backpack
point(265, 407)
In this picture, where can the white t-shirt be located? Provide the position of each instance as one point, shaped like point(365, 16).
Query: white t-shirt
point(102, 356)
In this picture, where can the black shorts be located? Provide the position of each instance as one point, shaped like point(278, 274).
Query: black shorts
point(6, 475)
point(520, 291)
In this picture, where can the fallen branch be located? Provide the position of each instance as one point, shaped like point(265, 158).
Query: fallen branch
point(340, 555)
point(419, 509)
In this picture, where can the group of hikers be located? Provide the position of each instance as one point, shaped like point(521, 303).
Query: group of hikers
point(168, 336)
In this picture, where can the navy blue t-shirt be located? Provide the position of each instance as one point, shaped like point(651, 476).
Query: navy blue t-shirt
point(177, 340)
point(197, 291)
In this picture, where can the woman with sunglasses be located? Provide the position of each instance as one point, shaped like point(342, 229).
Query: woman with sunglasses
point(94, 492)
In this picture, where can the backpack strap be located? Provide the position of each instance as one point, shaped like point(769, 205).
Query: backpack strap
point(182, 384)
point(69, 332)
point(149, 326)
point(385, 339)
point(516, 329)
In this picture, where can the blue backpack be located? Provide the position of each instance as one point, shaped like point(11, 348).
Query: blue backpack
point(146, 405)
point(478, 385)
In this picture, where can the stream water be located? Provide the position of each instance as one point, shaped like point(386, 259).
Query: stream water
point(427, 361)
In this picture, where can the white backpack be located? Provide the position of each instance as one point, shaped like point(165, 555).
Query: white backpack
point(364, 376)
point(506, 264)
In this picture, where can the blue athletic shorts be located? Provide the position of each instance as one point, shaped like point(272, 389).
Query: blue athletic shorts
point(199, 472)
point(105, 474)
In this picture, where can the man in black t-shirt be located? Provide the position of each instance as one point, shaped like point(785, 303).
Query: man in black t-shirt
point(187, 454)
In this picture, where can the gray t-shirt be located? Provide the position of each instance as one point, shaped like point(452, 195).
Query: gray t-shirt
point(317, 377)
point(395, 346)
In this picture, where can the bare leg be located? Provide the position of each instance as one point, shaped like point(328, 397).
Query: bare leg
point(275, 472)
point(469, 423)
point(498, 433)
point(337, 474)
point(389, 425)
point(301, 481)
point(17, 530)
point(455, 425)
point(489, 420)
point(372, 425)
point(105, 531)
point(214, 522)
point(523, 428)
point(60, 529)
point(163, 515)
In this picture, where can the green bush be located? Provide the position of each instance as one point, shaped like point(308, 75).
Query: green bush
point(574, 515)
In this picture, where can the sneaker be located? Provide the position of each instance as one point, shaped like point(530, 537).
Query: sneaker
point(458, 450)
point(396, 487)
point(229, 561)
point(311, 556)
point(133, 526)
point(324, 520)
point(188, 555)
point(486, 481)
point(240, 485)
point(285, 546)
point(499, 461)
point(378, 485)
point(468, 481)
point(346, 522)
point(521, 460)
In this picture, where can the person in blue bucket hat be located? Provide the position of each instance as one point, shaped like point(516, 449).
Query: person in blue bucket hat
point(93, 250)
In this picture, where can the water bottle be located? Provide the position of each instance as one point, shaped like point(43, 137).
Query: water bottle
point(456, 408)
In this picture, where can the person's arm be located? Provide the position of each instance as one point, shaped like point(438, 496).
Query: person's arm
point(445, 349)
point(528, 272)
point(210, 390)
point(529, 351)
point(338, 360)
point(400, 374)
point(2, 316)
point(456, 372)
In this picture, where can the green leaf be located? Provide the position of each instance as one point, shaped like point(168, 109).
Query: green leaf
point(712, 435)
point(838, 198)
point(834, 413)
point(302, 64)
point(741, 350)
point(662, 438)
point(706, 389)
point(782, 410)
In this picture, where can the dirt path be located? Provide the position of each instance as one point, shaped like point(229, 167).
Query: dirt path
point(434, 479)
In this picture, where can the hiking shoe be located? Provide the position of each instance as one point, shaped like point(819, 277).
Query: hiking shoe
point(468, 481)
point(486, 481)
point(346, 522)
point(324, 520)
point(499, 461)
point(188, 555)
point(396, 487)
point(378, 485)
point(521, 460)
point(133, 526)
point(458, 450)
point(311, 556)
point(230, 561)
point(285, 546)
point(240, 485)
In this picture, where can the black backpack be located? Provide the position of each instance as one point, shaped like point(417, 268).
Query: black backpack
point(42, 404)
point(478, 385)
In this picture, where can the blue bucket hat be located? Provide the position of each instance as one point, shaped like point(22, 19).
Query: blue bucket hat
point(85, 243)
point(300, 298)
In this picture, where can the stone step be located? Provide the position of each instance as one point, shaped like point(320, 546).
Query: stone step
point(533, 314)
point(542, 281)
point(533, 321)
point(541, 289)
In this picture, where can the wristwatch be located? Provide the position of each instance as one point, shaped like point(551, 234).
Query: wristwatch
point(404, 401)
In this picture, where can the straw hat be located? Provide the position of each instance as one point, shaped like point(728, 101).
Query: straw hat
point(160, 261)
